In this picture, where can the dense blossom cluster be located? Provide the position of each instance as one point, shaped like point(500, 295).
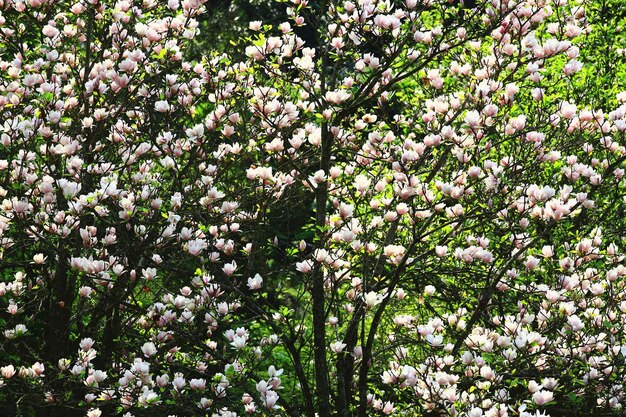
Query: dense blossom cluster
point(408, 215)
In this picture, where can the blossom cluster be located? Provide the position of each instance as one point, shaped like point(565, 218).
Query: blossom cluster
point(407, 213)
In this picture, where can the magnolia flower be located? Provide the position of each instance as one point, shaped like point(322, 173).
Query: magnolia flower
point(196, 246)
point(99, 376)
point(85, 291)
point(255, 25)
point(63, 364)
point(433, 340)
point(149, 349)
point(318, 178)
point(38, 369)
point(549, 383)
point(20, 329)
point(357, 352)
point(86, 344)
point(337, 96)
point(475, 412)
point(149, 397)
point(337, 346)
point(534, 386)
point(197, 384)
point(273, 372)
point(12, 308)
point(94, 412)
point(575, 323)
point(531, 262)
point(229, 268)
point(239, 342)
point(389, 377)
point(337, 43)
point(372, 298)
point(178, 383)
point(542, 397)
point(76, 370)
point(271, 397)
point(262, 387)
point(256, 282)
point(361, 183)
point(472, 118)
point(304, 267)
point(162, 380)
point(7, 371)
point(50, 31)
point(162, 106)
point(388, 408)
point(39, 258)
point(149, 273)
point(487, 373)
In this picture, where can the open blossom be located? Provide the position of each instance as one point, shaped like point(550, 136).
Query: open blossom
point(271, 399)
point(7, 371)
point(197, 384)
point(99, 375)
point(534, 387)
point(472, 118)
point(20, 329)
point(239, 342)
point(230, 268)
point(255, 25)
point(542, 397)
point(531, 262)
point(434, 340)
point(372, 298)
point(94, 412)
point(179, 383)
point(337, 96)
point(575, 323)
point(361, 183)
point(549, 383)
point(304, 267)
point(161, 106)
point(149, 273)
point(39, 258)
point(337, 346)
point(196, 246)
point(85, 291)
point(86, 344)
point(255, 282)
point(38, 369)
point(388, 408)
point(149, 349)
point(337, 43)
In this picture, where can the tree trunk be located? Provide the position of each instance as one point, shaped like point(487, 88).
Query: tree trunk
point(319, 314)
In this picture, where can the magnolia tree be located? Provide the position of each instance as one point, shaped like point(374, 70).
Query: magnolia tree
point(417, 211)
